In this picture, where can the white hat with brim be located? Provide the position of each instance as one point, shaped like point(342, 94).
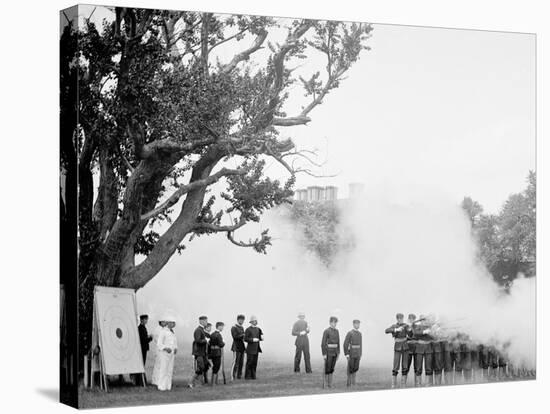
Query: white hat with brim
point(253, 319)
point(168, 318)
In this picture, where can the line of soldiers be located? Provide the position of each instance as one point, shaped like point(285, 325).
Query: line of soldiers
point(330, 348)
point(446, 356)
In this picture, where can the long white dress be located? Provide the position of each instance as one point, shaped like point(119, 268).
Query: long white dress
point(156, 366)
point(162, 375)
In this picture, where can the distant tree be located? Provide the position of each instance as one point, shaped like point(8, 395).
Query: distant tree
point(319, 223)
point(518, 224)
point(472, 209)
point(147, 111)
point(507, 241)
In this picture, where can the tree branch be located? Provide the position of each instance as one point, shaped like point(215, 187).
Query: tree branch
point(227, 39)
point(245, 54)
point(291, 121)
point(278, 69)
point(184, 189)
point(215, 228)
point(302, 118)
point(171, 145)
point(205, 31)
point(260, 244)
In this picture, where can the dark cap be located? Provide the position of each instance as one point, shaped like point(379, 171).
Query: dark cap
point(412, 316)
point(333, 319)
point(203, 318)
point(218, 324)
point(399, 315)
point(241, 316)
point(356, 321)
point(143, 316)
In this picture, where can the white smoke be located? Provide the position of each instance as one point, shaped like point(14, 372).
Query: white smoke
point(414, 258)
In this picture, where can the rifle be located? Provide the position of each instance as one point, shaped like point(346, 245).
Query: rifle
point(418, 321)
point(223, 367)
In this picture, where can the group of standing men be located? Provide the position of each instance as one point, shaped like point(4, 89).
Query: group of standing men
point(445, 356)
point(330, 348)
point(207, 350)
point(209, 346)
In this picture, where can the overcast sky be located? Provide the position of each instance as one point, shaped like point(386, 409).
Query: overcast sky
point(451, 111)
point(426, 110)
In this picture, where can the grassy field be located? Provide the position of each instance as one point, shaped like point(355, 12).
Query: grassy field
point(275, 379)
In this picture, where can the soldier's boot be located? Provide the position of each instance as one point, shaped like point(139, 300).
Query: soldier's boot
point(353, 378)
point(403, 381)
point(214, 380)
point(193, 381)
point(418, 380)
point(348, 381)
point(394, 381)
point(329, 380)
point(429, 380)
point(437, 379)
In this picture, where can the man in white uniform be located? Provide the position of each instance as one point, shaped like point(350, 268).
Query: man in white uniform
point(167, 347)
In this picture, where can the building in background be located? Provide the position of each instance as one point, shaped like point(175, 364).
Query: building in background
point(316, 193)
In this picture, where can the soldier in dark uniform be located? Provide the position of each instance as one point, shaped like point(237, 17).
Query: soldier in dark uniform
point(493, 361)
point(252, 336)
point(300, 330)
point(484, 361)
point(207, 332)
point(438, 347)
point(466, 357)
point(449, 359)
point(330, 348)
point(238, 348)
point(200, 345)
point(474, 356)
point(456, 356)
point(503, 360)
point(144, 337)
point(400, 333)
point(424, 351)
point(411, 342)
point(353, 350)
point(215, 350)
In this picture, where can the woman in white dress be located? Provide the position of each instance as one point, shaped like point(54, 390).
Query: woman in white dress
point(156, 366)
point(167, 347)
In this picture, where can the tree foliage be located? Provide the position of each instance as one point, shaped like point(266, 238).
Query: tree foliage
point(507, 241)
point(151, 119)
point(321, 228)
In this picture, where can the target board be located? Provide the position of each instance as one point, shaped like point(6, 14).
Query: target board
point(115, 320)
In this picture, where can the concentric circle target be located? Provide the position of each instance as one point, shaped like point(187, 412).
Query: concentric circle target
point(119, 333)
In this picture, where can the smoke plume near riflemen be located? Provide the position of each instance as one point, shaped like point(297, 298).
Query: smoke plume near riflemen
point(417, 258)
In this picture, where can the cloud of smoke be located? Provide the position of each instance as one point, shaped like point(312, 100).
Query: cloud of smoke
point(411, 258)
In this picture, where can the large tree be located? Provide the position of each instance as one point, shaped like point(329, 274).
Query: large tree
point(151, 115)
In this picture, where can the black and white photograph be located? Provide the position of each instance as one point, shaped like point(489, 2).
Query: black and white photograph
point(259, 206)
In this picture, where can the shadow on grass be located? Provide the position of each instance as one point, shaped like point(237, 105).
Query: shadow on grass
point(51, 394)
